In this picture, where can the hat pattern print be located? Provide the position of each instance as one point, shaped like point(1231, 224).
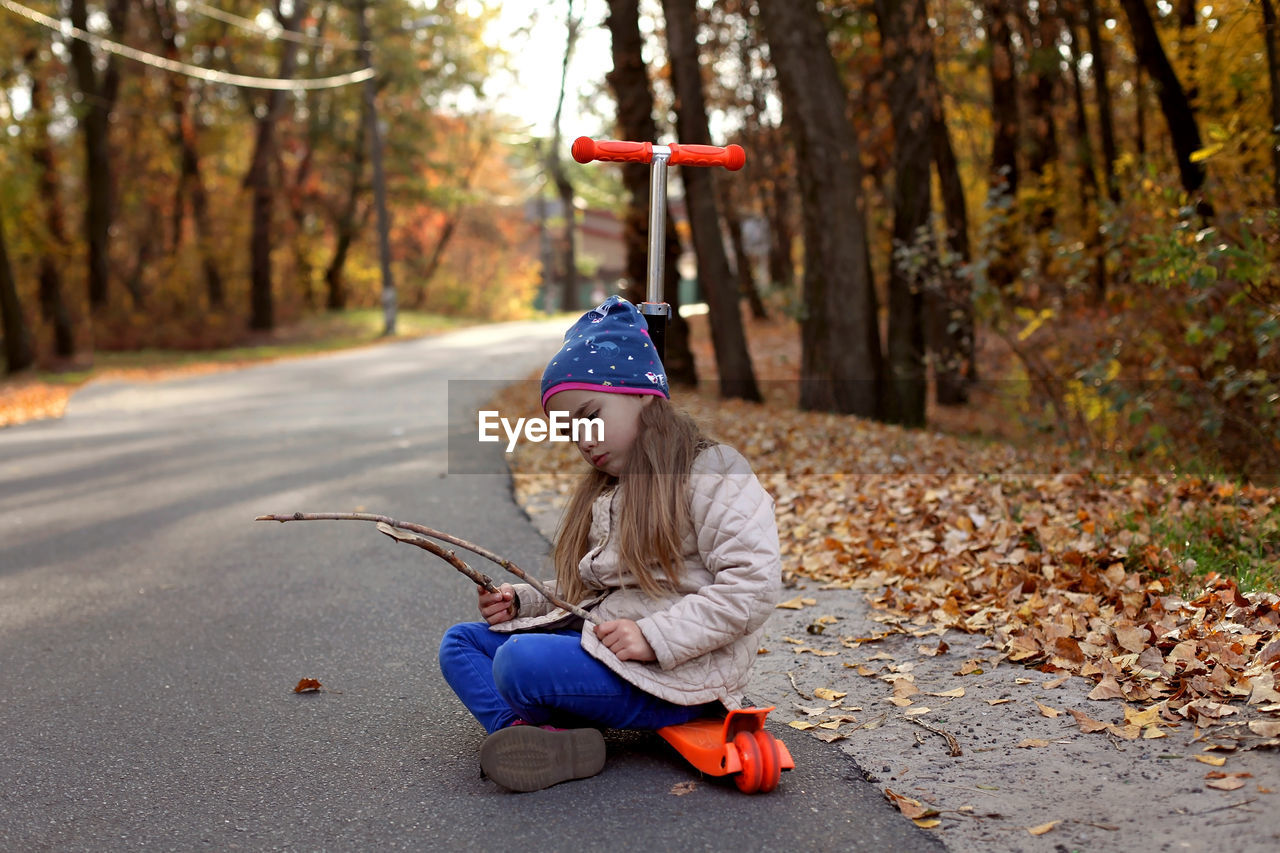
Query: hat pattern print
point(608, 349)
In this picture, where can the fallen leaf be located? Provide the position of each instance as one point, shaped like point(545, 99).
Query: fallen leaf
point(954, 693)
point(999, 701)
point(829, 737)
point(1055, 683)
point(1149, 717)
point(681, 788)
point(1032, 742)
point(910, 808)
point(307, 685)
point(1226, 783)
point(1087, 724)
point(927, 822)
point(1132, 639)
point(1265, 728)
point(1215, 760)
point(797, 603)
point(1108, 688)
point(915, 712)
point(1126, 732)
point(828, 694)
point(1046, 711)
point(802, 725)
point(1043, 828)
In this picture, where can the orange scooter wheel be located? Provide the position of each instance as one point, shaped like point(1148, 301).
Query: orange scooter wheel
point(770, 761)
point(749, 778)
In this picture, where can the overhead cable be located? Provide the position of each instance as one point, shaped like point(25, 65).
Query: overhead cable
point(173, 66)
point(266, 32)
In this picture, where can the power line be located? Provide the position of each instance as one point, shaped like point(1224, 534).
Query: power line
point(267, 32)
point(173, 66)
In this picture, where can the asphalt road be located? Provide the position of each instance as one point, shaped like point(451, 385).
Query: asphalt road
point(151, 633)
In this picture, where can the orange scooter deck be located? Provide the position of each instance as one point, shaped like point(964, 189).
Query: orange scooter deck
point(736, 745)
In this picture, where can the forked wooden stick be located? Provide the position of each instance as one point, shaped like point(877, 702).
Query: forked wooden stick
point(447, 556)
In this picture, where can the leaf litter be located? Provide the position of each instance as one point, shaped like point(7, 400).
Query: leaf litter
point(1056, 564)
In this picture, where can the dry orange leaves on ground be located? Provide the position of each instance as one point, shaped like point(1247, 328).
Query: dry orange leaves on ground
point(1052, 561)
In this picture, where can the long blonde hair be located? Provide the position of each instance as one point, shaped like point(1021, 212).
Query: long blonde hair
point(653, 505)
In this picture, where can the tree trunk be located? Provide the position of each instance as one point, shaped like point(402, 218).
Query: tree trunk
point(1270, 33)
point(258, 180)
point(17, 340)
point(346, 225)
point(373, 138)
point(454, 216)
point(1004, 98)
point(840, 362)
point(904, 38)
point(1140, 113)
point(737, 376)
point(53, 307)
point(777, 204)
point(95, 122)
point(567, 254)
point(630, 84)
point(1041, 38)
point(949, 329)
point(1188, 18)
point(1173, 99)
point(741, 259)
point(1102, 87)
point(1005, 121)
point(1090, 224)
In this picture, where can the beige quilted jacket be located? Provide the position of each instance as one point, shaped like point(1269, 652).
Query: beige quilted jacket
point(706, 633)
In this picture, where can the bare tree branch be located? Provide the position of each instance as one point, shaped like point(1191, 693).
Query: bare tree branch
point(479, 550)
point(448, 556)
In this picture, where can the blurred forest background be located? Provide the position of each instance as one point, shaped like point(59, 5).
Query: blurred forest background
point(1063, 210)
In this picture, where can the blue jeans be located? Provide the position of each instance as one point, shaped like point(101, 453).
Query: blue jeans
point(547, 679)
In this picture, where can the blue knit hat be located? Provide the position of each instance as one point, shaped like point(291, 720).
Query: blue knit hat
point(608, 349)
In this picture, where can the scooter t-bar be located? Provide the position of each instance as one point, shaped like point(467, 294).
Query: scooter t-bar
point(731, 157)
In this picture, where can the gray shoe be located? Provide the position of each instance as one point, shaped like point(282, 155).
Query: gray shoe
point(529, 758)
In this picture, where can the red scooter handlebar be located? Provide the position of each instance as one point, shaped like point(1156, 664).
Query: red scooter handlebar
point(586, 149)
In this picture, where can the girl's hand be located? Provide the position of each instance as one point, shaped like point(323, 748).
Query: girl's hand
point(625, 639)
point(498, 606)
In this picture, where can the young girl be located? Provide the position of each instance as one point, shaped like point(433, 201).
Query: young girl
point(670, 542)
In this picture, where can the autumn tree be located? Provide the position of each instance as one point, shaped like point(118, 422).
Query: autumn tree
point(737, 377)
point(1100, 64)
point(258, 179)
point(841, 364)
point(98, 92)
point(904, 40)
point(1179, 117)
point(17, 339)
point(629, 81)
point(190, 187)
point(56, 240)
point(1271, 36)
point(949, 321)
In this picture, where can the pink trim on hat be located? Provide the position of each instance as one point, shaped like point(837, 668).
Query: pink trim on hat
point(588, 386)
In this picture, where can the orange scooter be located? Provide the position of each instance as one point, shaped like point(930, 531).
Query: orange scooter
point(736, 745)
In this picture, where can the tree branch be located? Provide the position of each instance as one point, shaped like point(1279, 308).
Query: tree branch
point(479, 550)
point(448, 556)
